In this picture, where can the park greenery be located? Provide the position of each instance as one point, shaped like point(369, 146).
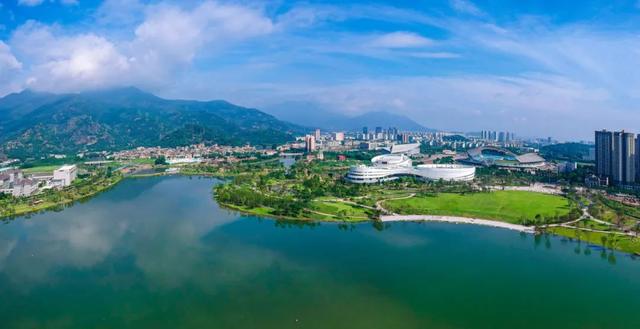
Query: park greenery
point(312, 191)
point(516, 207)
point(87, 185)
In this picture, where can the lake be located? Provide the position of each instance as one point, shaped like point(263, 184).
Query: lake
point(159, 253)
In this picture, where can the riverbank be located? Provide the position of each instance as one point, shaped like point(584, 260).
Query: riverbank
point(66, 197)
point(308, 216)
point(457, 220)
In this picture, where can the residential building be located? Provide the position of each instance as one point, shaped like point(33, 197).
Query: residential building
point(638, 159)
point(310, 143)
point(338, 136)
point(604, 153)
point(624, 159)
point(616, 156)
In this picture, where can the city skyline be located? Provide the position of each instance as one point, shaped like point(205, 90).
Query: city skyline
point(537, 68)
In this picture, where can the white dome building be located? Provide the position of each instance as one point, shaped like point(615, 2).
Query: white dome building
point(392, 166)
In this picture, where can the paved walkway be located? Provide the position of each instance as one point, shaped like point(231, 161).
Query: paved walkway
point(457, 220)
point(385, 211)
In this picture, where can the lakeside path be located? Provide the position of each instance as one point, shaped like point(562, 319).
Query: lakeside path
point(456, 220)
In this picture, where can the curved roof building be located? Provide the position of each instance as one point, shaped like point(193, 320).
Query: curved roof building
point(393, 166)
point(495, 156)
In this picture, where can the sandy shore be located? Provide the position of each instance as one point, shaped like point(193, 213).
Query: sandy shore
point(456, 220)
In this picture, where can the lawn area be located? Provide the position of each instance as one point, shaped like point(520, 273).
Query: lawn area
point(41, 169)
point(339, 209)
point(619, 242)
point(507, 206)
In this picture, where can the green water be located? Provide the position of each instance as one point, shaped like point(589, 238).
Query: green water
point(159, 253)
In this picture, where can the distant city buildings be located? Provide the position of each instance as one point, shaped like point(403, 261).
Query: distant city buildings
point(502, 136)
point(338, 136)
point(617, 156)
point(310, 143)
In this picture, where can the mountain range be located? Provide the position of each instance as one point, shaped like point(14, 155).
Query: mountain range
point(309, 115)
point(34, 123)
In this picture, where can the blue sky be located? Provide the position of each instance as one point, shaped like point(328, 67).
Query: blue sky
point(539, 68)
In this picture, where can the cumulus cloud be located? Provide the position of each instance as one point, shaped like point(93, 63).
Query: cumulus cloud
point(167, 40)
point(10, 68)
point(63, 63)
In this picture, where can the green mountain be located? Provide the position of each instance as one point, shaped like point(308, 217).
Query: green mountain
point(34, 123)
point(566, 151)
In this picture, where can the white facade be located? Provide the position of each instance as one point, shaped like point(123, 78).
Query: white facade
point(65, 174)
point(409, 149)
point(390, 167)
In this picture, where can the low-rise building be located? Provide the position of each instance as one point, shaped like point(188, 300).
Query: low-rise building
point(24, 187)
point(65, 175)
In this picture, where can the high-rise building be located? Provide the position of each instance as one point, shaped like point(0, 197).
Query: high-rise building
point(317, 134)
point(624, 158)
point(365, 130)
point(338, 136)
point(405, 138)
point(604, 152)
point(310, 143)
point(616, 156)
point(638, 159)
point(502, 137)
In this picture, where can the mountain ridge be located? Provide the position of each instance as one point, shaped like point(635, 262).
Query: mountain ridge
point(34, 123)
point(310, 115)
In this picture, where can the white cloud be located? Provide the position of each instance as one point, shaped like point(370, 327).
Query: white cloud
point(30, 3)
point(401, 39)
point(33, 3)
point(168, 40)
point(64, 63)
point(466, 7)
point(7, 60)
point(10, 69)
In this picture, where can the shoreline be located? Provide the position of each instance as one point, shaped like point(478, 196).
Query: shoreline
point(48, 207)
point(457, 220)
point(245, 212)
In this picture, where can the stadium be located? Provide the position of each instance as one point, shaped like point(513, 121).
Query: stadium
point(389, 167)
point(495, 156)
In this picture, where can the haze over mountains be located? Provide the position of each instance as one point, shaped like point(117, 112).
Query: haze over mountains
point(33, 123)
point(309, 115)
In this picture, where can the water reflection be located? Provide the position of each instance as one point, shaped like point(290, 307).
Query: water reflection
point(159, 253)
point(162, 232)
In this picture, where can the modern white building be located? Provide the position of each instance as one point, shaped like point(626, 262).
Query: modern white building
point(393, 166)
point(65, 175)
point(408, 149)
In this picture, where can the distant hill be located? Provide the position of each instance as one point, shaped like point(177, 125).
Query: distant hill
point(566, 151)
point(310, 115)
point(33, 123)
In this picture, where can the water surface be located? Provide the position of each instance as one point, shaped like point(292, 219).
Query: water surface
point(159, 253)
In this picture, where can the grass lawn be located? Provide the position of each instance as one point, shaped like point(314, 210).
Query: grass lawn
point(506, 206)
point(619, 242)
point(41, 169)
point(336, 208)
